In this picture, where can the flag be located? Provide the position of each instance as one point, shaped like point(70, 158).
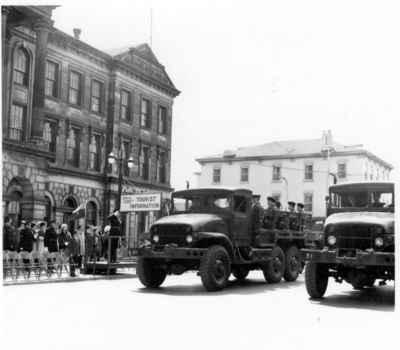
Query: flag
point(80, 212)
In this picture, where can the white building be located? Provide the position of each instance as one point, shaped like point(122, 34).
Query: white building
point(299, 170)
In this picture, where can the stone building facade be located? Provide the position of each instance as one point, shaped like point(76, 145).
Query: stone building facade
point(66, 106)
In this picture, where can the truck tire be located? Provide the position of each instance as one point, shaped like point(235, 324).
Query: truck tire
point(316, 277)
point(150, 275)
point(292, 264)
point(273, 271)
point(240, 273)
point(215, 268)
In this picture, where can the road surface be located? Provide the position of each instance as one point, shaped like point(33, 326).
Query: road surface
point(120, 313)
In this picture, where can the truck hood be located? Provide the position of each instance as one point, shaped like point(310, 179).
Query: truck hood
point(197, 221)
point(373, 218)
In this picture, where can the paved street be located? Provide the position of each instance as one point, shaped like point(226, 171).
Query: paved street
point(182, 315)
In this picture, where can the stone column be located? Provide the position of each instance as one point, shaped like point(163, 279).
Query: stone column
point(42, 29)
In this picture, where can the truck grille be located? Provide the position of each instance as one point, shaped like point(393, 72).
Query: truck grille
point(172, 234)
point(354, 236)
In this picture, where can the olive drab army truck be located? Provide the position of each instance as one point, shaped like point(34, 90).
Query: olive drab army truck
point(211, 231)
point(358, 239)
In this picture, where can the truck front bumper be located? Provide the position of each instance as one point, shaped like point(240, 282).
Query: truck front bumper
point(172, 253)
point(360, 258)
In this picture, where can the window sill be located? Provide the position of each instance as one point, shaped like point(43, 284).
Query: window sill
point(308, 180)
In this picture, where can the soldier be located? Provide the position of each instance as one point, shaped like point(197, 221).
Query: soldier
point(257, 212)
point(115, 233)
point(301, 217)
point(293, 217)
point(270, 215)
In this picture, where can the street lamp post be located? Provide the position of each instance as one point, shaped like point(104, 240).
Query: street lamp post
point(112, 158)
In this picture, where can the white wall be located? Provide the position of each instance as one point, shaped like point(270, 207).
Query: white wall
point(260, 177)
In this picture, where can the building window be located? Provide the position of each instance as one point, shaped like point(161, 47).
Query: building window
point(50, 135)
point(244, 174)
point(17, 121)
point(75, 88)
point(276, 173)
point(342, 171)
point(73, 147)
point(162, 167)
point(125, 105)
point(217, 175)
point(162, 120)
point(308, 202)
point(94, 153)
point(145, 115)
point(145, 162)
point(51, 83)
point(96, 94)
point(308, 172)
point(21, 67)
point(126, 150)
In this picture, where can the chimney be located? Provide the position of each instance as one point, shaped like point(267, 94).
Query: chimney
point(77, 33)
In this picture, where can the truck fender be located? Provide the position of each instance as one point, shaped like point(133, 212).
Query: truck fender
point(206, 239)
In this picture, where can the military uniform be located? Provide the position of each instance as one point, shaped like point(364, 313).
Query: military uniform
point(270, 215)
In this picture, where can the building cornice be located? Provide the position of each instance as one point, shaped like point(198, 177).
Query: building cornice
point(27, 149)
point(365, 153)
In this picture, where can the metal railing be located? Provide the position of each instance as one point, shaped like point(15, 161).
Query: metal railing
point(23, 266)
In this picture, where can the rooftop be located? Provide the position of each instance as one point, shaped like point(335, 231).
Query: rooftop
point(291, 149)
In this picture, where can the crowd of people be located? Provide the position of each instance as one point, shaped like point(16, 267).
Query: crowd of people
point(41, 238)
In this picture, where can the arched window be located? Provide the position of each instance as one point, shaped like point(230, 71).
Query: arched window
point(21, 67)
point(91, 213)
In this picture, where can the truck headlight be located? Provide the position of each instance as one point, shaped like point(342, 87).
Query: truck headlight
point(156, 238)
point(331, 240)
point(189, 239)
point(379, 241)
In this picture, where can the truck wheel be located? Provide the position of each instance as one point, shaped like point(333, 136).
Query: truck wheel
point(150, 275)
point(370, 282)
point(293, 264)
point(275, 268)
point(240, 273)
point(316, 277)
point(215, 268)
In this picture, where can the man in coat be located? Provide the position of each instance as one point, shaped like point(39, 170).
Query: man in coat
point(26, 237)
point(51, 238)
point(9, 235)
point(115, 233)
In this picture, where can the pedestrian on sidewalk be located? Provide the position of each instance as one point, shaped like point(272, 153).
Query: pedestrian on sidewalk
point(75, 254)
point(9, 235)
point(51, 242)
point(115, 233)
point(27, 239)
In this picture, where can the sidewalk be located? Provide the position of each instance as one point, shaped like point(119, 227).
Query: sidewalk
point(65, 277)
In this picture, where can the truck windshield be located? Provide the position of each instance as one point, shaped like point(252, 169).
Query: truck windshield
point(362, 199)
point(199, 203)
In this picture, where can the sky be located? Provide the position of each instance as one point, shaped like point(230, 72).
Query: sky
point(252, 72)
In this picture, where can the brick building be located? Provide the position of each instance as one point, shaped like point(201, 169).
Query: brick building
point(66, 106)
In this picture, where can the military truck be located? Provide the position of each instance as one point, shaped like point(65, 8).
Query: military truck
point(358, 238)
point(210, 231)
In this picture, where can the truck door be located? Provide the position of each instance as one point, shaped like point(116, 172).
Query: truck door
point(240, 229)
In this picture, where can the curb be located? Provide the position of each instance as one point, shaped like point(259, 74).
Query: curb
point(73, 279)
